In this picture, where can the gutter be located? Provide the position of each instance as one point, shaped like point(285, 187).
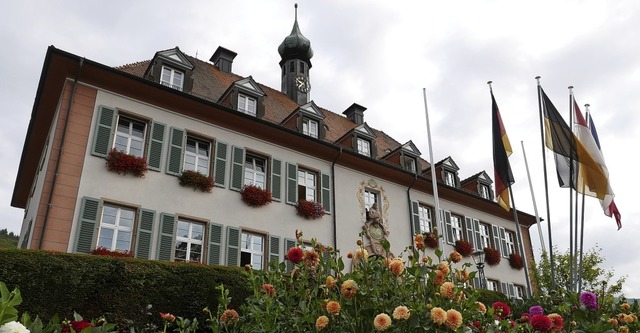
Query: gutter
point(60, 151)
point(333, 199)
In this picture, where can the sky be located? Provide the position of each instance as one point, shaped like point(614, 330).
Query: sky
point(382, 54)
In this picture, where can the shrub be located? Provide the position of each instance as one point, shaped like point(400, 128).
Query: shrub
point(492, 256)
point(123, 163)
point(196, 180)
point(310, 209)
point(463, 247)
point(255, 196)
point(515, 261)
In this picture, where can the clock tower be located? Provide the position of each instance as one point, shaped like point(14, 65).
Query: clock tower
point(295, 53)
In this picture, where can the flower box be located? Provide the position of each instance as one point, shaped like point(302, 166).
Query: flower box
point(103, 251)
point(464, 248)
point(310, 209)
point(123, 163)
point(492, 256)
point(515, 261)
point(196, 180)
point(255, 196)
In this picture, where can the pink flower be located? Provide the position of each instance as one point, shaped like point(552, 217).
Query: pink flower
point(295, 255)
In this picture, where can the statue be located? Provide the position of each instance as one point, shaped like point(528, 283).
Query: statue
point(376, 233)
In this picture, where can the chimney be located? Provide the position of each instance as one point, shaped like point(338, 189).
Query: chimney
point(355, 113)
point(223, 59)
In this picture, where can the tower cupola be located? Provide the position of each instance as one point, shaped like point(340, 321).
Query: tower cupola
point(295, 63)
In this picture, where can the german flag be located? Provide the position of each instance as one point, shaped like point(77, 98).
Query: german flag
point(501, 152)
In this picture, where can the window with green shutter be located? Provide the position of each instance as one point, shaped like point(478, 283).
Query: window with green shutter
point(233, 246)
point(274, 248)
point(176, 145)
point(103, 131)
point(146, 220)
point(237, 166)
point(292, 183)
point(215, 244)
point(220, 165)
point(154, 154)
point(276, 179)
point(166, 236)
point(89, 210)
point(326, 192)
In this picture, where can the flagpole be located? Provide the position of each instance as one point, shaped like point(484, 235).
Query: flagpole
point(573, 240)
point(533, 199)
point(519, 235)
point(434, 182)
point(546, 188)
point(582, 229)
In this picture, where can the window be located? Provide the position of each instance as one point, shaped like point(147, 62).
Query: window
point(485, 237)
point(197, 155)
point(510, 242)
point(130, 136)
point(292, 67)
point(484, 191)
point(252, 251)
point(410, 164)
point(424, 214)
point(518, 291)
point(116, 228)
point(449, 178)
point(255, 171)
point(492, 285)
point(171, 78)
point(310, 128)
point(189, 241)
point(306, 185)
point(364, 147)
point(370, 198)
point(301, 67)
point(456, 227)
point(247, 105)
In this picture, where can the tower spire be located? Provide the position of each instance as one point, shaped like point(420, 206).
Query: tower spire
point(295, 62)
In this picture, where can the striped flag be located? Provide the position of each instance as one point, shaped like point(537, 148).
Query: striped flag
point(501, 151)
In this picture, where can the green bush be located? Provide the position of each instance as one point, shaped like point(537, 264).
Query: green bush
point(119, 288)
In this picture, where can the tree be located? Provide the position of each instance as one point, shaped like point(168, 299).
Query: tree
point(594, 278)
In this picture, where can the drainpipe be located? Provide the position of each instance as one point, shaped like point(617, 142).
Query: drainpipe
point(333, 199)
point(413, 232)
point(60, 151)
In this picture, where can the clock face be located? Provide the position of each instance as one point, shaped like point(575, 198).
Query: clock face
point(302, 84)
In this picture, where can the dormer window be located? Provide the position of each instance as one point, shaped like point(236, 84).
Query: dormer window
point(449, 178)
point(410, 164)
point(310, 128)
point(364, 147)
point(247, 105)
point(172, 78)
point(484, 191)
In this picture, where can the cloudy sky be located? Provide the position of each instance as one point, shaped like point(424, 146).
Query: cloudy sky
point(381, 54)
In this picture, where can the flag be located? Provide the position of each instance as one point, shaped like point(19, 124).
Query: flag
point(609, 207)
point(501, 152)
point(591, 179)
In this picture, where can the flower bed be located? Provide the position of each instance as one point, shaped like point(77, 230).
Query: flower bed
point(463, 247)
point(515, 261)
point(196, 180)
point(255, 196)
point(310, 209)
point(492, 256)
point(123, 163)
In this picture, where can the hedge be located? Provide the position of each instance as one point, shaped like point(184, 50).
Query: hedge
point(120, 288)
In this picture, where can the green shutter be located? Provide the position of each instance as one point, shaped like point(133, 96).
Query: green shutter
point(276, 179)
point(174, 159)
point(326, 193)
point(496, 237)
point(89, 211)
point(233, 246)
point(292, 183)
point(415, 217)
point(146, 219)
point(154, 155)
point(503, 243)
point(215, 243)
point(237, 164)
point(289, 243)
point(167, 236)
point(102, 134)
point(476, 230)
point(468, 224)
point(449, 231)
point(274, 248)
point(220, 166)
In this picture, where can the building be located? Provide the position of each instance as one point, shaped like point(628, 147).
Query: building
point(181, 113)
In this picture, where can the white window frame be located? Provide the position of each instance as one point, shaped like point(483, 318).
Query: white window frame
point(175, 78)
point(129, 135)
point(424, 215)
point(117, 228)
point(307, 185)
point(364, 147)
point(518, 291)
point(456, 227)
point(449, 178)
point(410, 164)
point(244, 104)
point(510, 241)
point(248, 238)
point(484, 191)
point(310, 127)
point(485, 235)
point(196, 156)
point(493, 285)
point(370, 197)
point(252, 174)
point(190, 239)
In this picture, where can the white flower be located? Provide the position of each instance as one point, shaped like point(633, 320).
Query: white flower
point(13, 327)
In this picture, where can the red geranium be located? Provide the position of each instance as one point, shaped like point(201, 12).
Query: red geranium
point(464, 248)
point(196, 180)
point(515, 260)
point(310, 209)
point(255, 196)
point(492, 256)
point(431, 240)
point(295, 255)
point(123, 163)
point(79, 325)
point(501, 309)
point(541, 323)
point(103, 251)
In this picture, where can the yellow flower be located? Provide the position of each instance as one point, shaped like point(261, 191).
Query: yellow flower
point(382, 322)
point(322, 322)
point(455, 257)
point(311, 258)
point(613, 322)
point(330, 282)
point(401, 313)
point(333, 307)
point(229, 316)
point(444, 267)
point(438, 316)
point(625, 307)
point(454, 319)
point(628, 319)
point(349, 289)
point(439, 280)
point(481, 307)
point(623, 329)
point(396, 266)
point(446, 290)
